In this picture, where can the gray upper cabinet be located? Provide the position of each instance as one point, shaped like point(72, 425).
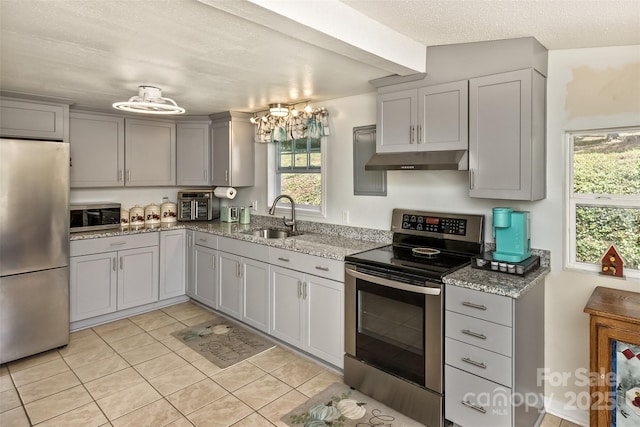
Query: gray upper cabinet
point(507, 136)
point(193, 153)
point(233, 150)
point(33, 119)
point(430, 118)
point(150, 152)
point(97, 150)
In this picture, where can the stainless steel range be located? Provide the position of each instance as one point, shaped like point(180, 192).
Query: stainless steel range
point(394, 305)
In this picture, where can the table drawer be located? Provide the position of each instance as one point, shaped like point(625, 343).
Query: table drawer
point(490, 336)
point(472, 401)
point(311, 264)
point(475, 360)
point(114, 243)
point(491, 307)
point(205, 239)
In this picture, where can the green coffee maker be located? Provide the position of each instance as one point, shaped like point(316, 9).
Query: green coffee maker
point(512, 233)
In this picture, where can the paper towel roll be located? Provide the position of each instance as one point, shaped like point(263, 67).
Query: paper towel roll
point(225, 192)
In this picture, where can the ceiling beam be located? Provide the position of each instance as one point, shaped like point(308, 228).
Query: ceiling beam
point(332, 25)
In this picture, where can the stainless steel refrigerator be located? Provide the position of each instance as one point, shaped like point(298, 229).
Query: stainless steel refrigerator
point(34, 247)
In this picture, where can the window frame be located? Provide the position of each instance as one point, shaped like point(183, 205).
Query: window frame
point(274, 187)
point(597, 200)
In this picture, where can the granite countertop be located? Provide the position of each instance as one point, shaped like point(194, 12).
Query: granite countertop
point(325, 240)
point(509, 285)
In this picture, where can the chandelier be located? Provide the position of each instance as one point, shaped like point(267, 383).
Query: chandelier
point(285, 121)
point(149, 101)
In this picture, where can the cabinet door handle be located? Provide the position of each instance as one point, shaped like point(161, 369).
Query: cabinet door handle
point(281, 258)
point(213, 262)
point(474, 334)
point(118, 243)
point(120, 175)
point(226, 175)
point(238, 272)
point(472, 406)
point(473, 305)
point(299, 289)
point(474, 363)
point(114, 262)
point(202, 239)
point(121, 263)
point(471, 179)
point(304, 290)
point(419, 134)
point(322, 268)
point(128, 175)
point(412, 134)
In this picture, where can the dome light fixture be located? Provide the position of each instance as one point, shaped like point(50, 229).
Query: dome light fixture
point(149, 101)
point(279, 110)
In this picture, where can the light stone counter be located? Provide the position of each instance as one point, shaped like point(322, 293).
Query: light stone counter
point(325, 240)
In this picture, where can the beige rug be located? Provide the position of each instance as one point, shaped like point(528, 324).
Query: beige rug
point(340, 406)
point(223, 342)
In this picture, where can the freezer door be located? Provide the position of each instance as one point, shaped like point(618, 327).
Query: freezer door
point(34, 205)
point(34, 313)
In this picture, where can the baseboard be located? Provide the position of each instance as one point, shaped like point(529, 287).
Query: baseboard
point(566, 412)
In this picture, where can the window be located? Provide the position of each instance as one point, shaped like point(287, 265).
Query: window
point(298, 173)
point(604, 197)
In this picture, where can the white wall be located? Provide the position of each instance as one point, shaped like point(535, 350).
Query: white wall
point(586, 89)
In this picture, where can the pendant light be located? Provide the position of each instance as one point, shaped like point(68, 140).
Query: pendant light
point(149, 101)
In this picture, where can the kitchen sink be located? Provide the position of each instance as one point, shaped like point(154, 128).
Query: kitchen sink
point(273, 233)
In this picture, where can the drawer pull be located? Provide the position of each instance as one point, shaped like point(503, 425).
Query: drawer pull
point(321, 267)
point(202, 239)
point(474, 334)
point(472, 305)
point(472, 406)
point(118, 243)
point(281, 258)
point(474, 363)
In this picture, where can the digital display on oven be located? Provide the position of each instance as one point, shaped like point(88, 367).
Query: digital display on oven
point(431, 224)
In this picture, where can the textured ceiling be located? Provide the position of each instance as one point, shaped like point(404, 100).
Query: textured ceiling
point(97, 52)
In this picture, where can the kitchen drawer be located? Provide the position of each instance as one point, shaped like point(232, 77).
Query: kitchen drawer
point(473, 401)
point(310, 264)
point(475, 360)
point(115, 243)
point(205, 239)
point(494, 308)
point(244, 249)
point(487, 335)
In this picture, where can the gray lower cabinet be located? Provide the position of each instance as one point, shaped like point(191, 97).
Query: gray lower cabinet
point(243, 279)
point(205, 269)
point(113, 273)
point(307, 303)
point(494, 347)
point(193, 153)
point(233, 141)
point(33, 119)
point(173, 263)
point(507, 136)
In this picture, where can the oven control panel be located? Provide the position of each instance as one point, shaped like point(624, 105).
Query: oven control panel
point(455, 226)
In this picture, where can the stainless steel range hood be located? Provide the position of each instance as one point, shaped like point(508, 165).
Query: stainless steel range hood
point(421, 160)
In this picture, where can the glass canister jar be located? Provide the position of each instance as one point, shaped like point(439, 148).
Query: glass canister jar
point(152, 215)
point(168, 212)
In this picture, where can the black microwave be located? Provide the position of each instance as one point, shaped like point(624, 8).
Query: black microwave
point(94, 216)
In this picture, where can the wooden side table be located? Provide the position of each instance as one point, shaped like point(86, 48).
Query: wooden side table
point(614, 332)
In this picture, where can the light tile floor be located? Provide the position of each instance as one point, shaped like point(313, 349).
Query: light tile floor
point(133, 372)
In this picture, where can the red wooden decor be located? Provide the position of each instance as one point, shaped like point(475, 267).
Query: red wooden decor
point(612, 263)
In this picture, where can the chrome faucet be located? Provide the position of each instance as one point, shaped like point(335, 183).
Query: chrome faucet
point(292, 222)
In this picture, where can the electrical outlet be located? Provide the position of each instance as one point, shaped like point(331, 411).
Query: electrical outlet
point(345, 217)
point(254, 205)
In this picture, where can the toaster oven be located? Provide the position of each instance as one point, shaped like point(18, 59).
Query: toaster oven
point(198, 205)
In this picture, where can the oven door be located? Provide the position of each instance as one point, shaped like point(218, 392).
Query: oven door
point(394, 326)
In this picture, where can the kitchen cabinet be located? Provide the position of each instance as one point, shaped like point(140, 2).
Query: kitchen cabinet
point(244, 282)
point(430, 118)
point(150, 152)
point(193, 141)
point(33, 119)
point(507, 136)
point(173, 263)
point(112, 273)
point(494, 348)
point(97, 150)
point(307, 310)
point(205, 277)
point(189, 258)
point(233, 150)
point(614, 317)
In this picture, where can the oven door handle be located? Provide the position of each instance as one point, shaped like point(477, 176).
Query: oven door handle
point(393, 284)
